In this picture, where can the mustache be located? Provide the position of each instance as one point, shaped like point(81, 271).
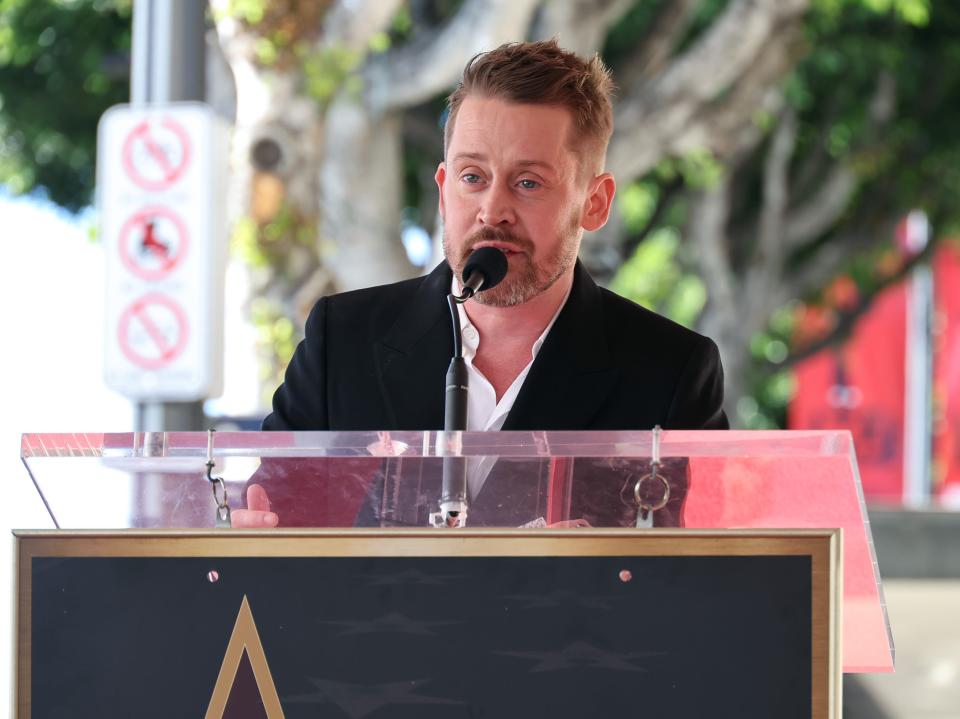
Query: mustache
point(496, 234)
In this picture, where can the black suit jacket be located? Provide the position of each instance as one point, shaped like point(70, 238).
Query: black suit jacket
point(376, 359)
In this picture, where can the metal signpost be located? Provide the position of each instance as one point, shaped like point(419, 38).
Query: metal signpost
point(160, 198)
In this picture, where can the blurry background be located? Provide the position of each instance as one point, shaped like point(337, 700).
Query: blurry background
point(788, 183)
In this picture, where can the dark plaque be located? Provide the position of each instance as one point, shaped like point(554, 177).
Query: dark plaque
point(522, 625)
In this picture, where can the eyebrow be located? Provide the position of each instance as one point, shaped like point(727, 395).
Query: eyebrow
point(480, 157)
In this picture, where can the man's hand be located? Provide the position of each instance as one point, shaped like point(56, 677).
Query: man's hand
point(569, 524)
point(257, 514)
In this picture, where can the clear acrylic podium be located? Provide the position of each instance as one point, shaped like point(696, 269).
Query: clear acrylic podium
point(717, 481)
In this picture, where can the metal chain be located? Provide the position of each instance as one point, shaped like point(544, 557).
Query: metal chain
point(223, 507)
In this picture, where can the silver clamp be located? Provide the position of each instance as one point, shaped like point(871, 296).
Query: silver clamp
point(219, 488)
point(653, 476)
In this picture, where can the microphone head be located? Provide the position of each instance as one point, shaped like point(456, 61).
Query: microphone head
point(489, 262)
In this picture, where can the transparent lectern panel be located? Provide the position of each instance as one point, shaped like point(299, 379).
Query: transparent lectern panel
point(705, 480)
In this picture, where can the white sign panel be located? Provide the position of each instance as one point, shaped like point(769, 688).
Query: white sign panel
point(160, 199)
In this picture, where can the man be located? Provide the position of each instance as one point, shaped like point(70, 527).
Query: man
point(525, 146)
point(524, 151)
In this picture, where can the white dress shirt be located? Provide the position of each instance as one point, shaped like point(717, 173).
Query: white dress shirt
point(484, 412)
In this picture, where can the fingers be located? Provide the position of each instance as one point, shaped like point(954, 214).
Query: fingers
point(257, 514)
point(257, 498)
point(570, 523)
point(253, 519)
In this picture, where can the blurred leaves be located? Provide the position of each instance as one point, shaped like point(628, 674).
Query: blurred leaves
point(62, 63)
point(656, 278)
point(277, 338)
point(328, 68)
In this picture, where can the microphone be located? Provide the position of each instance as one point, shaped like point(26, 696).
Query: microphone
point(485, 269)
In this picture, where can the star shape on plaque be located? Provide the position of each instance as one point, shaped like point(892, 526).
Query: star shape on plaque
point(244, 643)
point(392, 623)
point(360, 700)
point(581, 655)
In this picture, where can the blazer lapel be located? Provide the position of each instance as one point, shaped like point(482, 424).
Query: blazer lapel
point(413, 356)
point(572, 374)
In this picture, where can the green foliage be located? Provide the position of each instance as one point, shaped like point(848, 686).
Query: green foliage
point(268, 245)
point(766, 408)
point(910, 161)
point(277, 338)
point(655, 278)
point(328, 68)
point(251, 12)
point(62, 63)
point(914, 12)
point(401, 25)
point(245, 245)
point(622, 39)
point(637, 202)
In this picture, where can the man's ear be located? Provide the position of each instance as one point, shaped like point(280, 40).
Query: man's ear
point(439, 177)
point(599, 201)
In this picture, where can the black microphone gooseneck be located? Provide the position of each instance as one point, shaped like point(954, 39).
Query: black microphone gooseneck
point(485, 268)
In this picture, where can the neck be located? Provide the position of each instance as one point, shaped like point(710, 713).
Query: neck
point(520, 323)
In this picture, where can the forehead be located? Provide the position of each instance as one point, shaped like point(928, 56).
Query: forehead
point(511, 131)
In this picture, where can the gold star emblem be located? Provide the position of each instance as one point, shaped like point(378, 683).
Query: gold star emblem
point(244, 638)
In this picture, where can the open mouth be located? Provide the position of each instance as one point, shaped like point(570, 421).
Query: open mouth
point(505, 249)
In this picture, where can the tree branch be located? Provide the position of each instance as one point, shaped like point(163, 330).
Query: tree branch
point(815, 216)
point(353, 24)
point(847, 320)
point(580, 25)
point(872, 222)
point(414, 73)
point(766, 263)
point(659, 43)
point(664, 116)
point(829, 260)
point(707, 230)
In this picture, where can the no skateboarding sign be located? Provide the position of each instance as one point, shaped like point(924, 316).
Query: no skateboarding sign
point(159, 187)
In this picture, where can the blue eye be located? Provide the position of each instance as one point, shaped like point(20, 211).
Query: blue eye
point(529, 184)
point(470, 178)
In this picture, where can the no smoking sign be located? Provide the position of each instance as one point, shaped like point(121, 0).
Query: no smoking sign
point(156, 152)
point(160, 188)
point(153, 331)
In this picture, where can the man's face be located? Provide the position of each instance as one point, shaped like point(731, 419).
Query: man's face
point(511, 181)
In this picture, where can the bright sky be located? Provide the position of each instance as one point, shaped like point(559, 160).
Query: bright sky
point(51, 291)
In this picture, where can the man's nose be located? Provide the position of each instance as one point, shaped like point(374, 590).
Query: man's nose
point(496, 206)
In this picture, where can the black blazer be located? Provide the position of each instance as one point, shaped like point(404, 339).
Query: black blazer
point(376, 359)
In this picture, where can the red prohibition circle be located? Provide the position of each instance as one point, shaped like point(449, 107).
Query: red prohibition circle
point(141, 219)
point(167, 351)
point(169, 172)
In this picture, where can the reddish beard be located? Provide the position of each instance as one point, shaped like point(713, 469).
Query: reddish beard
point(524, 279)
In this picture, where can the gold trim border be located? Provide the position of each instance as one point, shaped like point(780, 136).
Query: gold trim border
point(822, 546)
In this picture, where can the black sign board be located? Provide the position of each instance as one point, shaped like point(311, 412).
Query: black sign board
point(420, 624)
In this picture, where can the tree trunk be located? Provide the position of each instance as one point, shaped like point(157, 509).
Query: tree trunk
point(362, 179)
